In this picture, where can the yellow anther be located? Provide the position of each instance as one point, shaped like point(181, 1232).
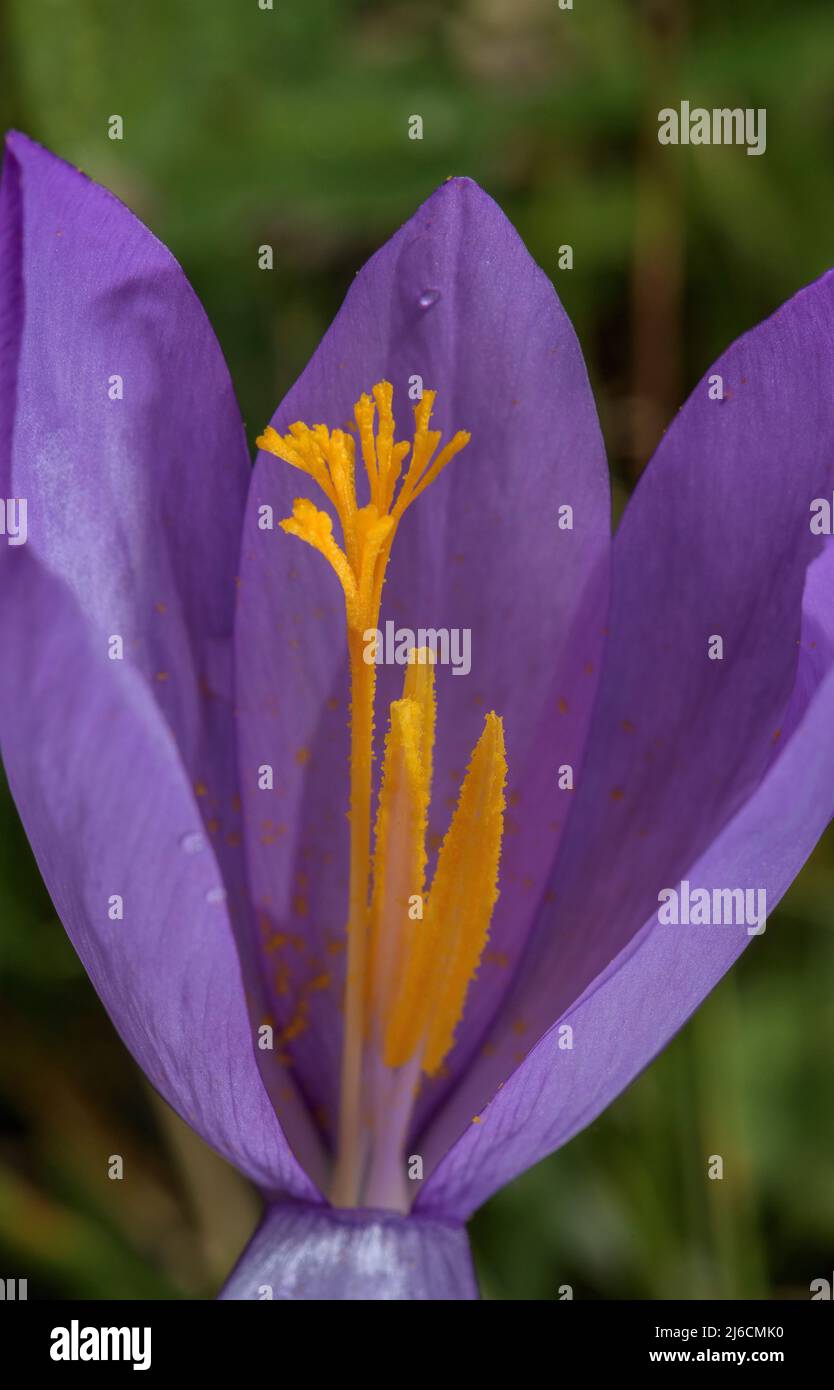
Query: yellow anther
point(421, 470)
point(298, 448)
point(446, 947)
point(399, 856)
point(425, 443)
point(374, 537)
point(316, 528)
point(419, 686)
point(456, 443)
point(364, 415)
point(340, 458)
point(384, 395)
point(398, 453)
point(329, 458)
point(423, 410)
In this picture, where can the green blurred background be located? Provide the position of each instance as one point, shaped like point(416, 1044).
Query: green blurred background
point(245, 126)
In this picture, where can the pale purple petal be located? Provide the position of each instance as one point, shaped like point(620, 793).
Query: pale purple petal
point(109, 812)
point(716, 541)
point(644, 996)
point(302, 1252)
point(120, 430)
point(453, 298)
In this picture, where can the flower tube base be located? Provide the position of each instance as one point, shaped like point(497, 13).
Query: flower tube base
point(306, 1252)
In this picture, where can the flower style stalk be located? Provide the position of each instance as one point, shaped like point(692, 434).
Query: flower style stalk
point(405, 987)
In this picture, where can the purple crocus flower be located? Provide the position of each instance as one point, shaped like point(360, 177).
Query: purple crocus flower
point(186, 708)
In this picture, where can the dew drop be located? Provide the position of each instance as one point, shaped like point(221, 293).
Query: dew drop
point(216, 895)
point(192, 843)
point(428, 298)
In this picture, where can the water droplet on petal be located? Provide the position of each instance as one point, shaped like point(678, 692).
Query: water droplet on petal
point(427, 298)
point(216, 895)
point(192, 843)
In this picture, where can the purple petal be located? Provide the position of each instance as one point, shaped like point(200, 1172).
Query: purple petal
point(135, 505)
point(306, 1252)
point(454, 298)
point(109, 811)
point(716, 541)
point(644, 996)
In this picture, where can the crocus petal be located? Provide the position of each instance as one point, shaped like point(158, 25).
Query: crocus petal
point(307, 1252)
point(127, 443)
point(109, 811)
point(120, 429)
point(644, 996)
point(716, 541)
point(454, 300)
